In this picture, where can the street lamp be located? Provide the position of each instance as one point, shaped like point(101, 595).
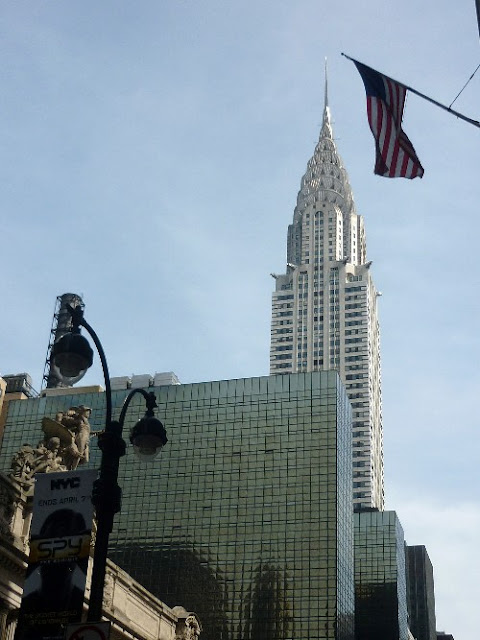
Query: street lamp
point(71, 356)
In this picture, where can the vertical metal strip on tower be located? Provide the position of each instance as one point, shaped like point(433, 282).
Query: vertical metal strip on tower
point(61, 325)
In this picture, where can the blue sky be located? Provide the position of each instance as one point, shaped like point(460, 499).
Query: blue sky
point(151, 156)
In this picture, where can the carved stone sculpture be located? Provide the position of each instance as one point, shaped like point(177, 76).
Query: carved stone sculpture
point(192, 628)
point(6, 512)
point(108, 589)
point(64, 447)
point(188, 625)
point(47, 457)
point(43, 459)
point(76, 420)
point(22, 464)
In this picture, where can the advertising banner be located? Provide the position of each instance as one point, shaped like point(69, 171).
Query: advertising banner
point(59, 549)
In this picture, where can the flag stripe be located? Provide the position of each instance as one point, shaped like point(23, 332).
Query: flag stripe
point(395, 155)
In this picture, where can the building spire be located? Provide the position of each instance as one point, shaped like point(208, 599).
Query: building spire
point(326, 85)
point(326, 108)
point(325, 179)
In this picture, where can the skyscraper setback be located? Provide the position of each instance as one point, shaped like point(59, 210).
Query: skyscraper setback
point(324, 308)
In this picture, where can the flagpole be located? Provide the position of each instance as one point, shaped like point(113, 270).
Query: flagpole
point(422, 95)
point(477, 3)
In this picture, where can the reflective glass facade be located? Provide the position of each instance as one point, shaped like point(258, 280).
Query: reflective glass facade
point(421, 594)
point(246, 518)
point(380, 583)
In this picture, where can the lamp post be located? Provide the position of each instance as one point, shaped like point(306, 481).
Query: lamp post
point(71, 357)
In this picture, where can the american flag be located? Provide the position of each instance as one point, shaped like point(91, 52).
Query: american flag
point(395, 155)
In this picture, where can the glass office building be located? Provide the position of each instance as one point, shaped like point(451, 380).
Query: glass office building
point(380, 581)
point(246, 517)
point(421, 593)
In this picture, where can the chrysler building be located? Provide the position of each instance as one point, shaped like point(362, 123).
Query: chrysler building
point(324, 308)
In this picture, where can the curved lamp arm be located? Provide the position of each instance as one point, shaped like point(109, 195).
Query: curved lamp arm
point(79, 321)
point(150, 402)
